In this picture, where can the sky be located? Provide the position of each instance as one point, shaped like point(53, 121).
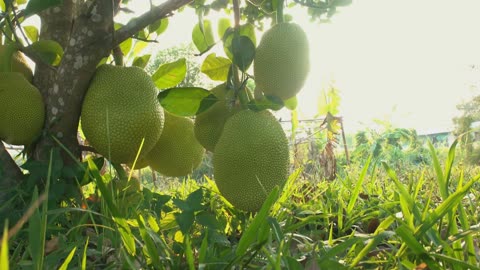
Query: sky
point(409, 62)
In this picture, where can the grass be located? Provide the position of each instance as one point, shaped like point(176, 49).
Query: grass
point(373, 217)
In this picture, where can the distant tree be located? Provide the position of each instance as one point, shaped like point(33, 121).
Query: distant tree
point(463, 128)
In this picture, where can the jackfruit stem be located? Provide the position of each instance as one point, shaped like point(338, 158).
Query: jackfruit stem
point(280, 6)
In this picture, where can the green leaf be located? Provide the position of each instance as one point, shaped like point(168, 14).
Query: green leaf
point(216, 67)
point(159, 26)
point(67, 261)
point(243, 51)
point(250, 234)
point(49, 51)
point(170, 74)
point(126, 46)
point(4, 264)
point(208, 220)
point(31, 32)
point(266, 102)
point(246, 30)
point(202, 36)
point(141, 61)
point(35, 6)
point(186, 101)
point(291, 103)
point(2, 6)
point(223, 25)
point(194, 200)
point(185, 221)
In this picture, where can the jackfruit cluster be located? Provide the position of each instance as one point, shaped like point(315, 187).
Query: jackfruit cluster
point(123, 120)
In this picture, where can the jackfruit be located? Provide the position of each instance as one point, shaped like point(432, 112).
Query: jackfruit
point(18, 63)
point(22, 110)
point(121, 109)
point(281, 62)
point(177, 152)
point(250, 159)
point(209, 124)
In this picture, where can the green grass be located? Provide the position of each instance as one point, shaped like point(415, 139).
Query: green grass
point(373, 217)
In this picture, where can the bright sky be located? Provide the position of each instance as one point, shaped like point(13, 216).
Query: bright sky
point(406, 61)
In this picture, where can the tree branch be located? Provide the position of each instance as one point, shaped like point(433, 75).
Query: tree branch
point(156, 13)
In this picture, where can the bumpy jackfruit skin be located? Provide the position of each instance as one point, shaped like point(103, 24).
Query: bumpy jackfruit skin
point(281, 62)
point(22, 110)
point(209, 124)
point(19, 63)
point(119, 110)
point(177, 152)
point(250, 159)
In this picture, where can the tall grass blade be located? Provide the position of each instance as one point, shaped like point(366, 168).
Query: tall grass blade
point(189, 253)
point(250, 234)
point(84, 257)
point(152, 251)
point(358, 186)
point(456, 262)
point(122, 225)
point(408, 239)
point(438, 171)
point(448, 205)
point(67, 261)
point(4, 263)
point(371, 244)
point(337, 249)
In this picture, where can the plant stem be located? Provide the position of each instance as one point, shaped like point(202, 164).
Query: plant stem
point(280, 6)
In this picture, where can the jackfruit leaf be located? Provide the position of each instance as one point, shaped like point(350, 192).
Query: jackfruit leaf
point(139, 46)
point(291, 103)
point(170, 74)
point(247, 30)
point(243, 51)
point(31, 32)
point(2, 6)
point(186, 101)
point(159, 26)
point(266, 102)
point(185, 221)
point(49, 51)
point(35, 6)
point(223, 25)
point(141, 61)
point(202, 36)
point(21, 2)
point(126, 46)
point(216, 67)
